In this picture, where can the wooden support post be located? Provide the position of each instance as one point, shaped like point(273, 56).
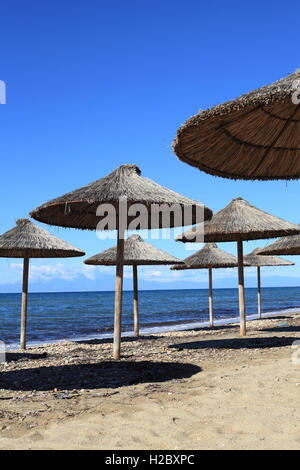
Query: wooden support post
point(118, 295)
point(135, 301)
point(258, 292)
point(24, 303)
point(211, 317)
point(241, 288)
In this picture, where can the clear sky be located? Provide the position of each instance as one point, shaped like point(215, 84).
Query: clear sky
point(92, 85)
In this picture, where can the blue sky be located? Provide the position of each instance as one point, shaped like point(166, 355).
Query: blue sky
point(92, 85)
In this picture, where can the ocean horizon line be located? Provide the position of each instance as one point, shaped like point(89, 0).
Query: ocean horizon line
point(145, 290)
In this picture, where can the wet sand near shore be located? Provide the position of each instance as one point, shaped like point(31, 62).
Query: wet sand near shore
point(196, 389)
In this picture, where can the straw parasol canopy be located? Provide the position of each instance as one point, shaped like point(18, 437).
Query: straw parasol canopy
point(136, 252)
point(283, 246)
point(255, 259)
point(117, 199)
point(209, 257)
point(78, 209)
point(240, 221)
point(27, 240)
point(256, 136)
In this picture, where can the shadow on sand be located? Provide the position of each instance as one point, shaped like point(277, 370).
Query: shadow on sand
point(125, 339)
point(92, 376)
point(282, 329)
point(218, 327)
point(237, 343)
point(23, 356)
point(276, 317)
point(132, 339)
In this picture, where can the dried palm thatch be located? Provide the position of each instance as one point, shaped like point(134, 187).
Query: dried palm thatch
point(121, 191)
point(77, 209)
point(27, 240)
point(283, 246)
point(255, 259)
point(209, 257)
point(136, 252)
point(240, 221)
point(254, 137)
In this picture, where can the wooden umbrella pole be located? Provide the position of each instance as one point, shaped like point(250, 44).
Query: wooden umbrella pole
point(258, 292)
point(241, 288)
point(211, 318)
point(24, 303)
point(135, 301)
point(118, 295)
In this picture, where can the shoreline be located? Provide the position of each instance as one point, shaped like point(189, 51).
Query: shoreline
point(163, 328)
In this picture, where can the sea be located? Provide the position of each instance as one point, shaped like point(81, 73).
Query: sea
point(61, 316)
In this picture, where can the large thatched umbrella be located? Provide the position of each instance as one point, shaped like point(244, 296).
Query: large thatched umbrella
point(209, 257)
point(240, 221)
point(26, 240)
point(255, 259)
point(117, 199)
point(285, 246)
point(256, 136)
point(136, 252)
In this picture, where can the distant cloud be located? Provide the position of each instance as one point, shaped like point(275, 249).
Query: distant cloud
point(42, 272)
point(165, 275)
point(48, 272)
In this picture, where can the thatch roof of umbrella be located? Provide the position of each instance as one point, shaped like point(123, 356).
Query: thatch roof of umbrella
point(256, 259)
point(240, 221)
point(283, 246)
point(28, 240)
point(210, 256)
point(136, 252)
point(256, 136)
point(77, 208)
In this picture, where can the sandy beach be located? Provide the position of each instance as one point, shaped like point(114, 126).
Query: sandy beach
point(196, 389)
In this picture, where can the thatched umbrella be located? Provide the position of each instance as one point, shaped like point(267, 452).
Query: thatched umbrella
point(136, 252)
point(240, 221)
point(209, 257)
point(255, 259)
point(256, 136)
point(26, 240)
point(118, 198)
point(284, 246)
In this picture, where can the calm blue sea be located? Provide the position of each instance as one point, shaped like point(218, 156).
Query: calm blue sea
point(77, 315)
